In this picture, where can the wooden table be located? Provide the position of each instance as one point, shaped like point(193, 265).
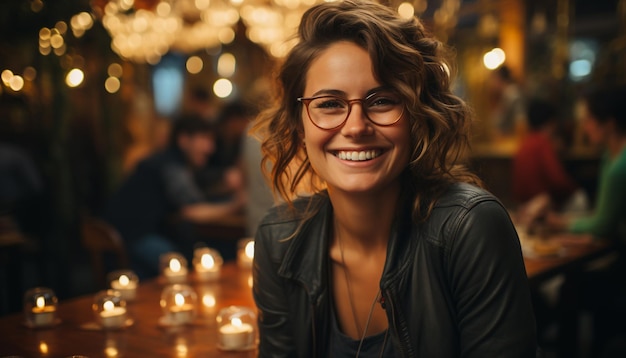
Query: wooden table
point(572, 258)
point(145, 338)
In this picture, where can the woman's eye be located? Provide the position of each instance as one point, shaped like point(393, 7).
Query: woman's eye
point(329, 103)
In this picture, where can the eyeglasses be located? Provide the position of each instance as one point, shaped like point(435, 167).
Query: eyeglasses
point(330, 112)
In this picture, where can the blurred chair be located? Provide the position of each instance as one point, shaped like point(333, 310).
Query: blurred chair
point(103, 242)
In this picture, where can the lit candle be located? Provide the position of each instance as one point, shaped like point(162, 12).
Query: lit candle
point(175, 272)
point(208, 303)
point(126, 287)
point(236, 335)
point(43, 315)
point(207, 269)
point(181, 312)
point(112, 316)
point(246, 254)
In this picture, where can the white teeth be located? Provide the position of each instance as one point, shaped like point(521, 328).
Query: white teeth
point(358, 156)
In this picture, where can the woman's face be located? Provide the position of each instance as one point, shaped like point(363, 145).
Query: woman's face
point(373, 156)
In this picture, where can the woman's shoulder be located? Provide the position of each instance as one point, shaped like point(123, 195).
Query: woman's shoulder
point(292, 215)
point(464, 195)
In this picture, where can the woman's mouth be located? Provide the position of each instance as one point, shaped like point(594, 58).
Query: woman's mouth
point(358, 156)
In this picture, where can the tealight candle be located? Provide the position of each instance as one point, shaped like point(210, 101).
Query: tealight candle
point(178, 302)
point(181, 312)
point(236, 334)
point(236, 328)
point(109, 309)
point(245, 253)
point(125, 282)
point(43, 315)
point(175, 272)
point(207, 264)
point(112, 316)
point(40, 307)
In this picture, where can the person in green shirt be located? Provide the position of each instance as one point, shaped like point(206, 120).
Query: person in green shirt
point(604, 122)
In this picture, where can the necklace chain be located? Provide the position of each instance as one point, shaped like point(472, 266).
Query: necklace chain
point(353, 309)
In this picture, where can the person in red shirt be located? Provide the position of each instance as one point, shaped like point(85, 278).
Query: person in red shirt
point(537, 169)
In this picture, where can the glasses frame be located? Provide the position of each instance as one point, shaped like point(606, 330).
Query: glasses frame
point(307, 100)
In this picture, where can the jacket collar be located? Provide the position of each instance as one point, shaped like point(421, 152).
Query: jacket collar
point(306, 259)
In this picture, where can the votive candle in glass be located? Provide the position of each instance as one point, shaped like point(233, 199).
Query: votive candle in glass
point(236, 328)
point(125, 282)
point(110, 309)
point(207, 263)
point(174, 267)
point(178, 302)
point(40, 306)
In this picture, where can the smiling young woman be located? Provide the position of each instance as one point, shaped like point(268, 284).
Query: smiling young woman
point(394, 250)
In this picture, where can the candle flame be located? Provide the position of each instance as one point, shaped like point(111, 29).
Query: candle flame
point(175, 265)
point(207, 261)
point(208, 300)
point(108, 305)
point(124, 280)
point(43, 348)
point(236, 321)
point(179, 299)
point(250, 249)
point(41, 302)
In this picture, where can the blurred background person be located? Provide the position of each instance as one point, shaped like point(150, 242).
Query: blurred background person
point(604, 122)
point(156, 206)
point(600, 290)
point(507, 104)
point(538, 172)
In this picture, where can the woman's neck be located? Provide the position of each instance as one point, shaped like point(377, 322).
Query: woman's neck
point(364, 220)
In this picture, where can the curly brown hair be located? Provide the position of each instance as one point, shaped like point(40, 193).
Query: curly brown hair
point(405, 57)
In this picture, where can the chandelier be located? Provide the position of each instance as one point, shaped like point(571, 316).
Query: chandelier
point(145, 30)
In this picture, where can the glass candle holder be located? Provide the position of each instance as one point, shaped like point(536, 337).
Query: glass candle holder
point(125, 282)
point(109, 309)
point(207, 263)
point(245, 252)
point(40, 306)
point(178, 302)
point(236, 328)
point(174, 267)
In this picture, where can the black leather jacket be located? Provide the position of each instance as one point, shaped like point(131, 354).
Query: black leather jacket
point(454, 286)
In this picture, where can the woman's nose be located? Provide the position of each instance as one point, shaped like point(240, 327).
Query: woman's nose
point(357, 123)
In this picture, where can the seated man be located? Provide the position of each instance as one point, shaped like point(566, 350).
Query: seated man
point(162, 187)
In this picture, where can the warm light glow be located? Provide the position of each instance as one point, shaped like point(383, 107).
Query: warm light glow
point(41, 302)
point(56, 41)
point(179, 299)
point(45, 33)
point(108, 305)
point(406, 10)
point(16, 83)
point(250, 249)
point(222, 88)
point(226, 64)
point(43, 348)
point(226, 35)
point(250, 281)
point(175, 265)
point(74, 78)
point(207, 261)
point(236, 321)
point(194, 64)
point(6, 76)
point(61, 26)
point(112, 84)
point(494, 58)
point(115, 70)
point(111, 352)
point(208, 300)
point(124, 280)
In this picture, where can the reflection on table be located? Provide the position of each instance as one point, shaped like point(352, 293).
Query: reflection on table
point(147, 336)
